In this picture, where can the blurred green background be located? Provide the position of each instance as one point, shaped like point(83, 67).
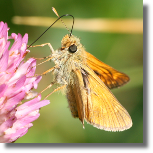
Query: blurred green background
point(123, 51)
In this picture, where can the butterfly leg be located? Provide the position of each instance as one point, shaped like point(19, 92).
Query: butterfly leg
point(57, 89)
point(48, 87)
point(45, 60)
point(50, 70)
point(50, 46)
point(49, 57)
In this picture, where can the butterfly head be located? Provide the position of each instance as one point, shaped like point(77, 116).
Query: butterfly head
point(71, 43)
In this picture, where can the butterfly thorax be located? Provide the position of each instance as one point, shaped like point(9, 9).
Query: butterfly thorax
point(66, 61)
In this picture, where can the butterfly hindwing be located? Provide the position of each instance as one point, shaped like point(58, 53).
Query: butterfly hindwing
point(100, 107)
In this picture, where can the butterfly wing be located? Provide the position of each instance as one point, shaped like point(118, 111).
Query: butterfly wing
point(76, 95)
point(111, 77)
point(96, 104)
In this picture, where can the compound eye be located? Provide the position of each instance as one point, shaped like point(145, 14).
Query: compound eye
point(73, 48)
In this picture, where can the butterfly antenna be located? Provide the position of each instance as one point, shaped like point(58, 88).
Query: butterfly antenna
point(51, 26)
point(54, 10)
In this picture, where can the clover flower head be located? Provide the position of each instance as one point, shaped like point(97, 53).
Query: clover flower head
point(16, 83)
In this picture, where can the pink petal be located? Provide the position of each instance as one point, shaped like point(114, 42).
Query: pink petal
point(24, 121)
point(7, 124)
point(3, 88)
point(17, 44)
point(25, 39)
point(20, 83)
point(4, 58)
point(12, 102)
point(30, 106)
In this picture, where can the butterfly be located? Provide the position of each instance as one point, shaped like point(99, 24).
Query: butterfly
point(86, 82)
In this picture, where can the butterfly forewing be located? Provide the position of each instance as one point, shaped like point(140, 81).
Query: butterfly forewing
point(111, 77)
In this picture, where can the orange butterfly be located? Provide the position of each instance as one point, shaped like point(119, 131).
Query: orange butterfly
point(86, 82)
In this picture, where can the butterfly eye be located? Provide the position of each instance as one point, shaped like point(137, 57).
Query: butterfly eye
point(73, 48)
